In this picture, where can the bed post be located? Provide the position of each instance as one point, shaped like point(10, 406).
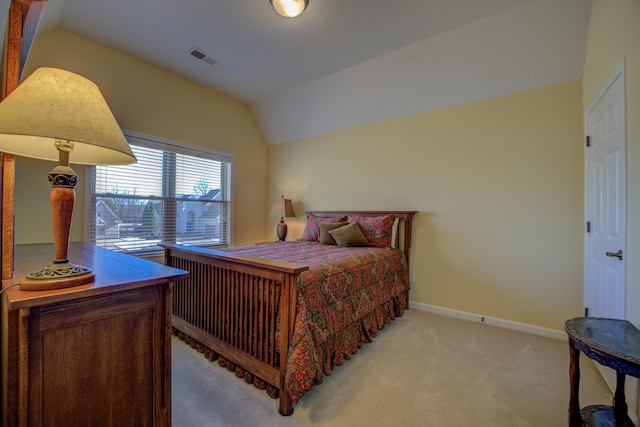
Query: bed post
point(408, 226)
point(287, 320)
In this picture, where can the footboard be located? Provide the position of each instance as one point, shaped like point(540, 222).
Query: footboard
point(237, 306)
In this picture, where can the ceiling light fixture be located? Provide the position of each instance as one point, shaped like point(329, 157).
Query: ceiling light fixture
point(289, 8)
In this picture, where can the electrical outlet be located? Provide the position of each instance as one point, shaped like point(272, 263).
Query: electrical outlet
point(412, 278)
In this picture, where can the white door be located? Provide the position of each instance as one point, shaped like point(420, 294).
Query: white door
point(605, 250)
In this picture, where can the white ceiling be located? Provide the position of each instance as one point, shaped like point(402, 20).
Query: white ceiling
point(343, 62)
point(260, 53)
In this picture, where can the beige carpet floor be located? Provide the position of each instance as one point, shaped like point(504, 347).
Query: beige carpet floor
point(421, 370)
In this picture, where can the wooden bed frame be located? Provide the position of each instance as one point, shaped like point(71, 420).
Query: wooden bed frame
point(236, 320)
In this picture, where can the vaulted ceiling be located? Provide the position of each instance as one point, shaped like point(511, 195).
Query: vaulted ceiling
point(342, 62)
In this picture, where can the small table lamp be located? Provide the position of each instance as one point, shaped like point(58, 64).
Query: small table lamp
point(58, 115)
point(283, 208)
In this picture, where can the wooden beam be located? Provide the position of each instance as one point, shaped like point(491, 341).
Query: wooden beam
point(22, 26)
point(12, 77)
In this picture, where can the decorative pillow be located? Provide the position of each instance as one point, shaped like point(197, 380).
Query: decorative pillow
point(377, 229)
point(325, 237)
point(311, 231)
point(394, 233)
point(349, 235)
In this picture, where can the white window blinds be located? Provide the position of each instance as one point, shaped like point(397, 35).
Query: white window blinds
point(173, 194)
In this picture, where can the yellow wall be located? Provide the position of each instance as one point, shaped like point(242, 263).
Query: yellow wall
point(614, 35)
point(148, 100)
point(499, 189)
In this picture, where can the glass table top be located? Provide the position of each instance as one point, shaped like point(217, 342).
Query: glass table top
point(617, 337)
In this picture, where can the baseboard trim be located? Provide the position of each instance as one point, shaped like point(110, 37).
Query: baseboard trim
point(493, 321)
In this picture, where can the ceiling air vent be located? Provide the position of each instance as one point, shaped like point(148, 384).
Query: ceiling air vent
point(198, 54)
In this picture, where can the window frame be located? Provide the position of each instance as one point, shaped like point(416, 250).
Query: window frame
point(158, 143)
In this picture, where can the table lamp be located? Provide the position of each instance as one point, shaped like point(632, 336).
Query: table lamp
point(283, 208)
point(61, 116)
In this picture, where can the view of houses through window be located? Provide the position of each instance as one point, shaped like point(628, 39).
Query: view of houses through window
point(173, 194)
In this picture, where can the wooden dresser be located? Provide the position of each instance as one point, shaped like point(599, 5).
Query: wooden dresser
point(96, 354)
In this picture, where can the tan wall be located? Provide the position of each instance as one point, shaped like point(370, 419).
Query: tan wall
point(148, 100)
point(499, 189)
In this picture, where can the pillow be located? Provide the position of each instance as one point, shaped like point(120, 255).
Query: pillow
point(377, 229)
point(311, 231)
point(325, 237)
point(394, 233)
point(349, 235)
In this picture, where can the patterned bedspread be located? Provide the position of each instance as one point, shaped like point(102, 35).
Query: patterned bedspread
point(347, 295)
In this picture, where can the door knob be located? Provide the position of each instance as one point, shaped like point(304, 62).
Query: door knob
point(615, 254)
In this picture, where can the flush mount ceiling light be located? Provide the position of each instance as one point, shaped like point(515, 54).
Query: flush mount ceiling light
point(289, 8)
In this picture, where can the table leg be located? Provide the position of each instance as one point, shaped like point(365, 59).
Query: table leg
point(619, 403)
point(575, 420)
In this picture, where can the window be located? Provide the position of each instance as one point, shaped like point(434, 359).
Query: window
point(173, 194)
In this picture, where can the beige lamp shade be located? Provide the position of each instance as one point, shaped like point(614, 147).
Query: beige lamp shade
point(282, 208)
point(57, 104)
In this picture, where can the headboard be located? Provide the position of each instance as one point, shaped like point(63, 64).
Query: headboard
point(406, 219)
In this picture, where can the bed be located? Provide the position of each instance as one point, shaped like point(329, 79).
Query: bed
point(282, 315)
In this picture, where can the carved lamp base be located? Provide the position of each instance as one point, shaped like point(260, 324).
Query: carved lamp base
point(60, 274)
point(281, 229)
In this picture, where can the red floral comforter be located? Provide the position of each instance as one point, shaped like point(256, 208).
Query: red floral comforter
point(347, 295)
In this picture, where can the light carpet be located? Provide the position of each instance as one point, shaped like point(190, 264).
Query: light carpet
point(422, 369)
